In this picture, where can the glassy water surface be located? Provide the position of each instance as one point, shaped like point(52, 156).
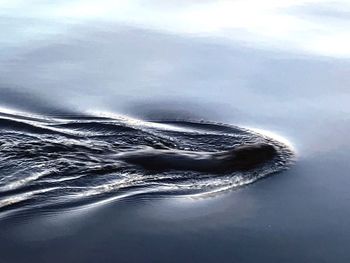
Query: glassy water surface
point(83, 82)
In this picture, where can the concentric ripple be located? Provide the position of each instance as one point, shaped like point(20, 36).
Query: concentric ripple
point(64, 162)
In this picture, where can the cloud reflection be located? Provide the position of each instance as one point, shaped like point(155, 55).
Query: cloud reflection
point(273, 24)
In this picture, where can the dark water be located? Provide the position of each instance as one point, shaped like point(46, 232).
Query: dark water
point(66, 162)
point(78, 88)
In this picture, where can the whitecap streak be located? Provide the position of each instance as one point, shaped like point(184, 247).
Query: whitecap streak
point(22, 182)
point(133, 122)
point(11, 200)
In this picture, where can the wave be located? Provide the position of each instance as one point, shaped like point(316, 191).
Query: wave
point(54, 163)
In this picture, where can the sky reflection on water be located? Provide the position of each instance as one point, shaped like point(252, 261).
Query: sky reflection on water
point(281, 66)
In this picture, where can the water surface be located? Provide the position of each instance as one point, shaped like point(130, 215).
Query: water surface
point(282, 75)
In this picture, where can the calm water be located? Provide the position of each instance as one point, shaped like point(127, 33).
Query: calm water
point(75, 77)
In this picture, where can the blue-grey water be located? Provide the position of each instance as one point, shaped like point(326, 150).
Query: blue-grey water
point(81, 82)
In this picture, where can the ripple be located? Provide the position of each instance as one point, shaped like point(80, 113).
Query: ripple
point(48, 162)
